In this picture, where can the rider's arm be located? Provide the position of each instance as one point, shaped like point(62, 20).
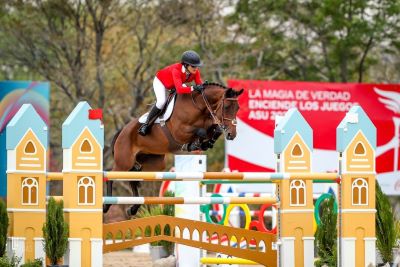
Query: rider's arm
point(197, 78)
point(180, 89)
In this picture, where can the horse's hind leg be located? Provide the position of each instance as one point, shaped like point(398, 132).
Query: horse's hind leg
point(109, 185)
point(123, 158)
point(135, 191)
point(147, 163)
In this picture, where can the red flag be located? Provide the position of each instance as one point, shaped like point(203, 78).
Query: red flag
point(96, 114)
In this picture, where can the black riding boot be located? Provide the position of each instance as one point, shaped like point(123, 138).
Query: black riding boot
point(145, 127)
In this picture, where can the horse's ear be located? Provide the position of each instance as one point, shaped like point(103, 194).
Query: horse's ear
point(238, 93)
point(230, 93)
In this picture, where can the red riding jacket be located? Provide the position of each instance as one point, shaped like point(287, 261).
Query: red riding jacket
point(174, 76)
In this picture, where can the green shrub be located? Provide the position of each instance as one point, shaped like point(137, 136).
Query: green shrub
point(151, 211)
point(3, 227)
point(155, 210)
point(168, 210)
point(55, 231)
point(35, 263)
point(385, 227)
point(7, 262)
point(326, 235)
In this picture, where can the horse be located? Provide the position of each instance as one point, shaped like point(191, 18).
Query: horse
point(196, 122)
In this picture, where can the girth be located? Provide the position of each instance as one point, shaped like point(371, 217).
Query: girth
point(173, 145)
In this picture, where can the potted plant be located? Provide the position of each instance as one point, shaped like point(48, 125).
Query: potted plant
point(161, 248)
point(3, 227)
point(55, 232)
point(385, 227)
point(326, 235)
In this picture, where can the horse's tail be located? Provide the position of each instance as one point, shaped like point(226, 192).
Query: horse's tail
point(114, 140)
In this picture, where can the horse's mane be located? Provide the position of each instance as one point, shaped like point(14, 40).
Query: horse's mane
point(229, 92)
point(216, 84)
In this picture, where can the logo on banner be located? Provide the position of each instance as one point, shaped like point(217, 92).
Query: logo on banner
point(391, 100)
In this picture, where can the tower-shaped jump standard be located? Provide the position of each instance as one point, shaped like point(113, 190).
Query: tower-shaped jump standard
point(356, 144)
point(26, 143)
point(293, 148)
point(82, 142)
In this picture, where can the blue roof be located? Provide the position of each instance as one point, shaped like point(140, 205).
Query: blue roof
point(356, 120)
point(26, 118)
point(77, 121)
point(286, 128)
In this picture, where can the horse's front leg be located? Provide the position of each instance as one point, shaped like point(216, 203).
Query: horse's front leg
point(214, 132)
point(199, 135)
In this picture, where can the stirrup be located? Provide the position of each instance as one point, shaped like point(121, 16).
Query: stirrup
point(143, 129)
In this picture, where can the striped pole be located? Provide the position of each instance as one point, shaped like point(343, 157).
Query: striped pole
point(54, 176)
point(185, 200)
point(212, 182)
point(199, 176)
point(239, 212)
point(242, 194)
point(210, 177)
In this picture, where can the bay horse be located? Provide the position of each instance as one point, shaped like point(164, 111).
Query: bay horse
point(196, 122)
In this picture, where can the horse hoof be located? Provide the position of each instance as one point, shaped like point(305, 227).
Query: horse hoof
point(133, 210)
point(106, 207)
point(128, 213)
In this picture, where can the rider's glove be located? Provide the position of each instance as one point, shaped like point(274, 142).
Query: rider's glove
point(198, 87)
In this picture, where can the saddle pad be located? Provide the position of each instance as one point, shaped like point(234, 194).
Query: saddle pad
point(163, 117)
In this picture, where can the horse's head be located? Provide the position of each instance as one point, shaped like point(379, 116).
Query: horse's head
point(230, 107)
point(223, 107)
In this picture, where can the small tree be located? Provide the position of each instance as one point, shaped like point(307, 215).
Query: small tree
point(55, 231)
point(326, 234)
point(3, 227)
point(385, 228)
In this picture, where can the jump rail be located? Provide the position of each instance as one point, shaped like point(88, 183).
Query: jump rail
point(185, 200)
point(200, 176)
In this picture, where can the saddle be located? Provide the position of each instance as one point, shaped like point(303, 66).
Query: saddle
point(166, 111)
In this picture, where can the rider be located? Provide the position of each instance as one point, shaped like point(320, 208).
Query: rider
point(174, 76)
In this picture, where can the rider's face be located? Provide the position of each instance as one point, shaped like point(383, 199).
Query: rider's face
point(192, 69)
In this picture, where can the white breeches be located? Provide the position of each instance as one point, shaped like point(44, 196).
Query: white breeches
point(161, 93)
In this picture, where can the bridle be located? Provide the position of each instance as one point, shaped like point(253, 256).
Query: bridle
point(213, 112)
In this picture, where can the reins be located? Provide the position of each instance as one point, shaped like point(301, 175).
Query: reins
point(213, 112)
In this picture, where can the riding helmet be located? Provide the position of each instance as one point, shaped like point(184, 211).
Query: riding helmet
point(191, 58)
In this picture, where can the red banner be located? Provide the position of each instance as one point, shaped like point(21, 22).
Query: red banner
point(323, 105)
